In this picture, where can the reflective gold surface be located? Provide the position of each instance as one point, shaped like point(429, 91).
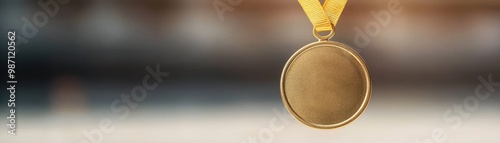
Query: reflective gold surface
point(325, 85)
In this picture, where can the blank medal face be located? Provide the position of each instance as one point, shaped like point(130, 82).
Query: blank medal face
point(325, 85)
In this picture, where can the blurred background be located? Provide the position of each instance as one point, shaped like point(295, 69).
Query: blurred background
point(224, 74)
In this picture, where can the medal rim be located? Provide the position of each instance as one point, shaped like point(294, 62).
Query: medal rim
point(353, 53)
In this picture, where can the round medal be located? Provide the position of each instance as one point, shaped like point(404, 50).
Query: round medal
point(325, 85)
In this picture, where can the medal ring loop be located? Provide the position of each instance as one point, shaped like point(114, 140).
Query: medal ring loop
point(323, 37)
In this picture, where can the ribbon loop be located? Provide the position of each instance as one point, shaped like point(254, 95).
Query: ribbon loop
point(323, 17)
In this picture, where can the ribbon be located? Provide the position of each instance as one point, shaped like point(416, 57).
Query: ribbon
point(325, 17)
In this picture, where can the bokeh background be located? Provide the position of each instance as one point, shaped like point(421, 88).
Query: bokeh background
point(224, 74)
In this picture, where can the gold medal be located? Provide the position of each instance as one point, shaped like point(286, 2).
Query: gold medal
point(325, 84)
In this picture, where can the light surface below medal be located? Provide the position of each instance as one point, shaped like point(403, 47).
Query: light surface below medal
point(325, 85)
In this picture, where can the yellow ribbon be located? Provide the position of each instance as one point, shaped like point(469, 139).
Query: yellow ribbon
point(323, 17)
